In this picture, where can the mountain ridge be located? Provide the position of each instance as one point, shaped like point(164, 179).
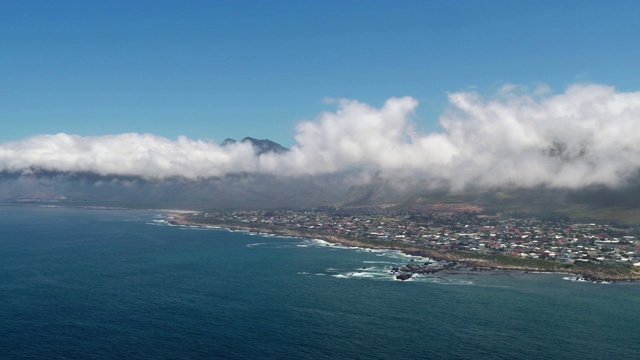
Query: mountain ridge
point(260, 146)
point(343, 189)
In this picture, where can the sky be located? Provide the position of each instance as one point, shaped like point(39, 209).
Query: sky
point(487, 93)
point(218, 69)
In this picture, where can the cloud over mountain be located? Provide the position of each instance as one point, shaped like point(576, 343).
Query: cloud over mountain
point(588, 135)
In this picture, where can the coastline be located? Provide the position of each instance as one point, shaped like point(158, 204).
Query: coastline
point(486, 263)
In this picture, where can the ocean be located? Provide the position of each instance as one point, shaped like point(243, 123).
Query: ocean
point(122, 284)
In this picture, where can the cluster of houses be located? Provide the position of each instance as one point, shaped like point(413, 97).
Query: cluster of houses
point(557, 240)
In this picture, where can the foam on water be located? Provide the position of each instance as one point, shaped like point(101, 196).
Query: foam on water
point(255, 244)
point(372, 275)
point(387, 275)
point(324, 243)
point(159, 222)
point(198, 228)
point(583, 280)
point(388, 253)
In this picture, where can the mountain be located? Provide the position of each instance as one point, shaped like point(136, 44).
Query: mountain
point(227, 142)
point(260, 146)
point(263, 191)
point(237, 191)
point(341, 189)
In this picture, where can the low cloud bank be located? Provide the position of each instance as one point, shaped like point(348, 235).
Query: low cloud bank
point(588, 135)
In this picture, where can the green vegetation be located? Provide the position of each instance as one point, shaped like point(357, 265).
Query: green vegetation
point(515, 261)
point(621, 216)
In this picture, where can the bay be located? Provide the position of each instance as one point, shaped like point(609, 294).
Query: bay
point(112, 284)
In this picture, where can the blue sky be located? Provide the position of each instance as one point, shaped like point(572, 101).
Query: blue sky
point(217, 69)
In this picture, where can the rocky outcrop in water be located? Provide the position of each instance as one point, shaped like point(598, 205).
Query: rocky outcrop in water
point(403, 276)
point(407, 271)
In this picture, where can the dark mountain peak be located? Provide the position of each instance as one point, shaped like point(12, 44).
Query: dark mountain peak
point(260, 146)
point(228, 141)
point(263, 146)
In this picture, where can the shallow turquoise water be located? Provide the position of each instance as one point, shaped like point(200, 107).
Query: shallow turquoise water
point(100, 284)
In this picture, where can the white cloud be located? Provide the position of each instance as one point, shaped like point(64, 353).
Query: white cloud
point(590, 134)
point(145, 155)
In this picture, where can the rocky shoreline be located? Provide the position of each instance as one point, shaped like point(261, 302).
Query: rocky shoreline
point(455, 259)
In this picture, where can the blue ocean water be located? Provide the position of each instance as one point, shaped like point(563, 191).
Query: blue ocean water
point(106, 284)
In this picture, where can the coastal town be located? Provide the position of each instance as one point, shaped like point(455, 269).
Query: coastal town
point(455, 229)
